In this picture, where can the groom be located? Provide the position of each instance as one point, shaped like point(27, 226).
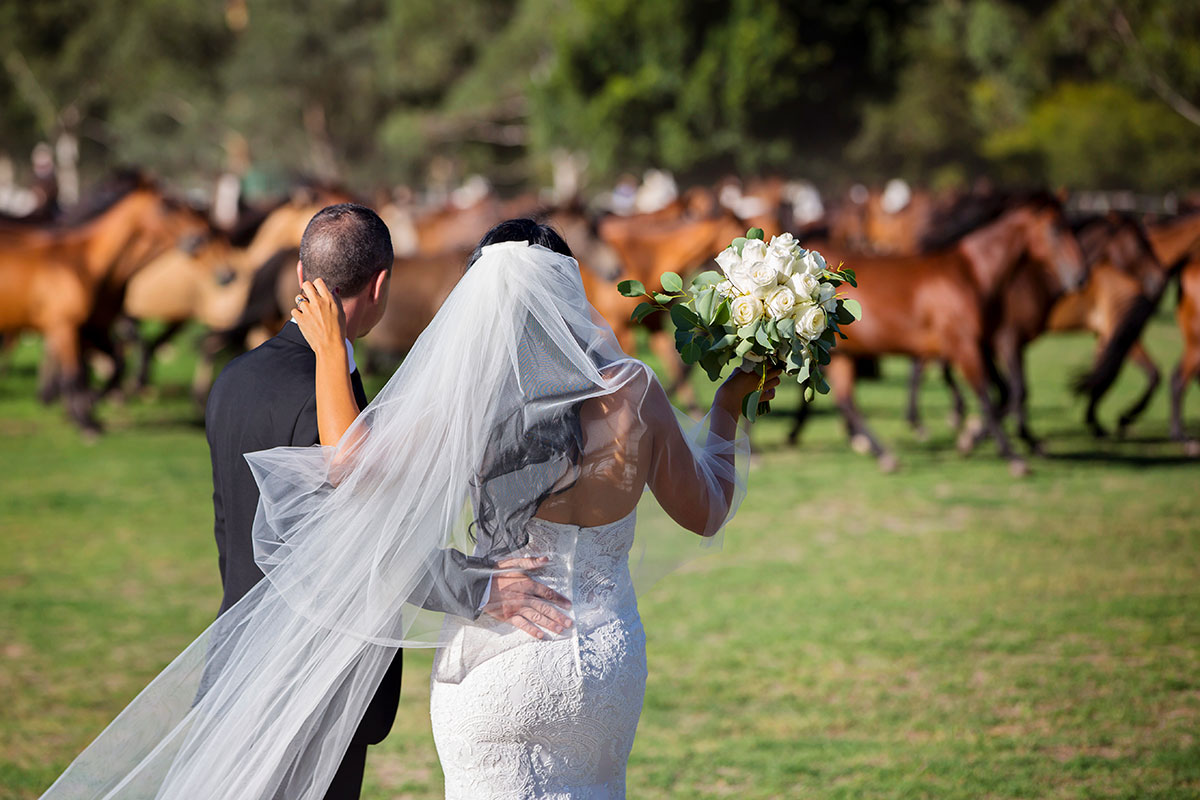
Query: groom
point(267, 398)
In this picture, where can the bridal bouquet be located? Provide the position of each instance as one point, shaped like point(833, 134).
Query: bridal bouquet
point(770, 304)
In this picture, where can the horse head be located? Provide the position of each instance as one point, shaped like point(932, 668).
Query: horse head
point(1050, 241)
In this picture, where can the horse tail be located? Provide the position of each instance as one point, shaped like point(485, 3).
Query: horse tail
point(1108, 364)
point(261, 303)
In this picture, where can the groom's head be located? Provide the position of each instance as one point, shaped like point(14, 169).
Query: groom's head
point(349, 247)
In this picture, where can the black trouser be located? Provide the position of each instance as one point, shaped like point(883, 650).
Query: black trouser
point(347, 781)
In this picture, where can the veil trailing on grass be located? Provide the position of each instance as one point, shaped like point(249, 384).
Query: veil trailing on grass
point(515, 402)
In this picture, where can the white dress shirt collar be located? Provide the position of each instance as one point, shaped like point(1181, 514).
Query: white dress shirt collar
point(349, 351)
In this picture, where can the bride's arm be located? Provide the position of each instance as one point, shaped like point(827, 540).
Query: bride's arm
point(323, 324)
point(694, 482)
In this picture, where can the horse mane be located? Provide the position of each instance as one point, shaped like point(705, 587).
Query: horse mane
point(118, 185)
point(973, 211)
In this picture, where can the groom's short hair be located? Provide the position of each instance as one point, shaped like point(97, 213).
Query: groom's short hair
point(346, 245)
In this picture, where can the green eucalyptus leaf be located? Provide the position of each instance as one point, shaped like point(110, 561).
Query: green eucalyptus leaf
point(642, 311)
point(706, 305)
point(853, 306)
point(707, 278)
point(631, 288)
point(738, 244)
point(808, 394)
point(723, 313)
point(744, 346)
point(672, 282)
point(691, 352)
point(755, 233)
point(684, 317)
point(750, 405)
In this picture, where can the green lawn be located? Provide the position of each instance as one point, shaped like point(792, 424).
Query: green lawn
point(946, 631)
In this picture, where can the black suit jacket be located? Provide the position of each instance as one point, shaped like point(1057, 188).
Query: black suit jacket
point(267, 398)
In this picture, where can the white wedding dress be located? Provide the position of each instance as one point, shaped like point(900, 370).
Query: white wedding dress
point(551, 718)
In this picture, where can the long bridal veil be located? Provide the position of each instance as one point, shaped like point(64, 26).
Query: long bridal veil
point(517, 395)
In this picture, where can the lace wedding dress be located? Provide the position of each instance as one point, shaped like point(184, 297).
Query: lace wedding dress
point(551, 718)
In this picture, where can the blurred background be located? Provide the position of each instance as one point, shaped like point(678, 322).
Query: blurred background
point(938, 626)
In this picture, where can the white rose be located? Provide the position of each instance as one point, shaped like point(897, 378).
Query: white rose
point(746, 309)
point(827, 297)
point(781, 303)
point(804, 285)
point(754, 250)
point(782, 260)
point(810, 322)
point(739, 278)
point(811, 262)
point(726, 289)
point(763, 279)
point(784, 241)
point(728, 259)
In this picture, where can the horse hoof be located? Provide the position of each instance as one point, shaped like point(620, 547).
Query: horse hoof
point(921, 433)
point(888, 463)
point(860, 444)
point(965, 443)
point(1191, 448)
point(1018, 468)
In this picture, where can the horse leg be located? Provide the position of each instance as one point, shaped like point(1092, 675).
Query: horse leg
point(958, 405)
point(971, 361)
point(1188, 368)
point(64, 346)
point(799, 421)
point(1142, 359)
point(148, 349)
point(49, 377)
point(1013, 353)
point(840, 374)
point(913, 414)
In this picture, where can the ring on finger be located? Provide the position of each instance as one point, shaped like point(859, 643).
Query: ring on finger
point(300, 299)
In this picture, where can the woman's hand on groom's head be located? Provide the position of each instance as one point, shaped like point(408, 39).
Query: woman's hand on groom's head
point(320, 316)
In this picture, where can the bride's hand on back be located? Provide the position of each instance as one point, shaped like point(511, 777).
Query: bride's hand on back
point(320, 316)
point(735, 388)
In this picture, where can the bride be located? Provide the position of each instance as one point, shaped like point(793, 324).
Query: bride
point(516, 427)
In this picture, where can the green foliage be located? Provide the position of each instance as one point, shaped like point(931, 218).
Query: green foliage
point(1099, 135)
point(1086, 93)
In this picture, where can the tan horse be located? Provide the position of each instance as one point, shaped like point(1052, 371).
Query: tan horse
point(646, 252)
point(208, 285)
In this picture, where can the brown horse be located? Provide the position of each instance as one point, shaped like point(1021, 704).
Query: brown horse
point(935, 306)
point(67, 283)
point(419, 286)
point(1176, 243)
point(1122, 262)
point(1188, 317)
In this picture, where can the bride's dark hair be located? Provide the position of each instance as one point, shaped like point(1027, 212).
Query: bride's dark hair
point(535, 452)
point(522, 229)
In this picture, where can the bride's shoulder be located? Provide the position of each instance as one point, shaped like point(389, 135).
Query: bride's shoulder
point(629, 377)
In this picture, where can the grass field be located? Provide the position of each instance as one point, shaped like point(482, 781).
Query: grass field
point(946, 631)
